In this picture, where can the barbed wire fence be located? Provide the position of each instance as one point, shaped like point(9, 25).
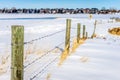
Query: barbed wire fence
point(47, 54)
point(43, 64)
point(17, 42)
point(43, 55)
point(45, 60)
point(47, 65)
point(33, 69)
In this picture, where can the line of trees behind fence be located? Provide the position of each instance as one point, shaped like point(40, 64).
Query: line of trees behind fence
point(61, 11)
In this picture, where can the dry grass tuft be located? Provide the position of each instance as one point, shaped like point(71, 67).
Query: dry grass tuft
point(65, 53)
point(63, 56)
point(115, 31)
point(117, 19)
point(4, 64)
point(84, 59)
point(76, 44)
point(94, 35)
point(48, 76)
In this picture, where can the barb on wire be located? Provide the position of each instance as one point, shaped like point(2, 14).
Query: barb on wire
point(42, 71)
point(43, 55)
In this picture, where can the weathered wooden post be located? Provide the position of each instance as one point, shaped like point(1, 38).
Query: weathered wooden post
point(78, 32)
point(95, 24)
point(86, 35)
point(67, 37)
point(84, 28)
point(17, 52)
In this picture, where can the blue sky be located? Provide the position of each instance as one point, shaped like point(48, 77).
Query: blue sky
point(60, 3)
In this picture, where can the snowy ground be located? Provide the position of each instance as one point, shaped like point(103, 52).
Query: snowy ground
point(96, 59)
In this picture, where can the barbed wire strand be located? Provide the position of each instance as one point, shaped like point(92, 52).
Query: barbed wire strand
point(43, 65)
point(49, 35)
point(40, 76)
point(29, 42)
point(43, 55)
point(44, 68)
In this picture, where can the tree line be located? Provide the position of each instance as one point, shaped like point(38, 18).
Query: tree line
point(60, 11)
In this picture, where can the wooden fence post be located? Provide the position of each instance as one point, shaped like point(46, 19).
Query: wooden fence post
point(95, 24)
point(67, 37)
point(84, 28)
point(17, 52)
point(86, 35)
point(78, 32)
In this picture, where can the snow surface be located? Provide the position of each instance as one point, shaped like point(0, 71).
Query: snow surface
point(96, 59)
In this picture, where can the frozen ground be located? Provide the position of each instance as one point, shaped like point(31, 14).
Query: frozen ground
point(96, 59)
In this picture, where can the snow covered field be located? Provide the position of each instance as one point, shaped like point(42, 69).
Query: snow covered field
point(96, 59)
